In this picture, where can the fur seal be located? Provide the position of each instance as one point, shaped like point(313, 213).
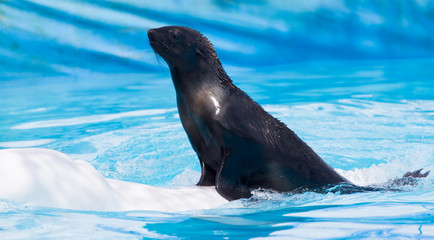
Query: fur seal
point(240, 146)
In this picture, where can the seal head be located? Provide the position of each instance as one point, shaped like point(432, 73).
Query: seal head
point(181, 47)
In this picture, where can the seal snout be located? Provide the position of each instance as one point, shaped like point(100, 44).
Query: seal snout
point(151, 35)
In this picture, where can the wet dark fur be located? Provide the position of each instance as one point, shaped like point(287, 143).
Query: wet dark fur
point(240, 146)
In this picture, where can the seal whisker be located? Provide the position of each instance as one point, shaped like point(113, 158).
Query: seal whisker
point(158, 57)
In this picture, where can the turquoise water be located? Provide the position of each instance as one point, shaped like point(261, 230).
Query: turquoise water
point(354, 80)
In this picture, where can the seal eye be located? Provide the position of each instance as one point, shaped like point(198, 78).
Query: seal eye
point(175, 35)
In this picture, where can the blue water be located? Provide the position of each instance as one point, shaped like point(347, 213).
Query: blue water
point(355, 80)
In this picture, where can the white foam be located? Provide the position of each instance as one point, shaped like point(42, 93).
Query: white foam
point(392, 169)
point(187, 177)
point(90, 119)
point(42, 177)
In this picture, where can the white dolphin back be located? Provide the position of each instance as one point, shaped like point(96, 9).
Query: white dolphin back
point(42, 177)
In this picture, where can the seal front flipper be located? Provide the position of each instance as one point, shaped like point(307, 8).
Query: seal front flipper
point(202, 145)
point(208, 175)
point(229, 184)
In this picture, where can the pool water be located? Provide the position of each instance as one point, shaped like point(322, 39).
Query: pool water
point(88, 85)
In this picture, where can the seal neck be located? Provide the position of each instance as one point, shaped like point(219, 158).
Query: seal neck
point(203, 76)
